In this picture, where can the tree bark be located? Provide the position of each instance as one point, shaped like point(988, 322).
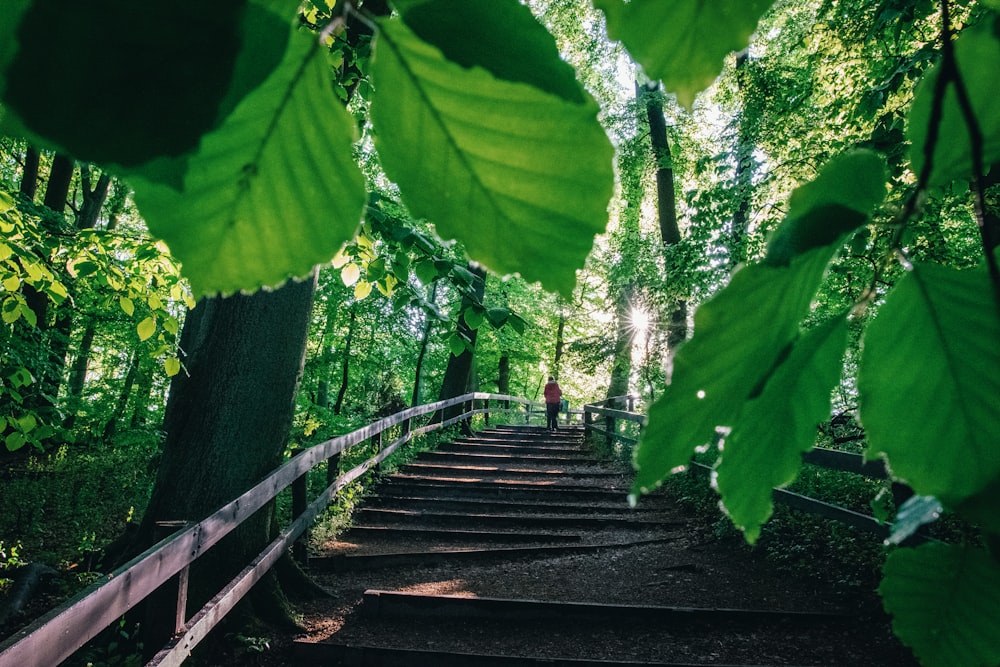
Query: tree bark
point(666, 203)
point(621, 364)
point(227, 423)
point(345, 366)
point(130, 375)
point(560, 344)
point(738, 250)
point(29, 176)
point(421, 355)
point(458, 373)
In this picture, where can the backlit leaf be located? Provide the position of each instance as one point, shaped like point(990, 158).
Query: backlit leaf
point(943, 599)
point(764, 451)
point(682, 43)
point(350, 274)
point(503, 166)
point(146, 328)
point(977, 52)
point(172, 366)
point(127, 306)
point(738, 337)
point(929, 380)
point(271, 192)
point(362, 290)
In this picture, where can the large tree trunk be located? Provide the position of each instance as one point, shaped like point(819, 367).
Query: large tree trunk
point(227, 423)
point(458, 373)
point(666, 204)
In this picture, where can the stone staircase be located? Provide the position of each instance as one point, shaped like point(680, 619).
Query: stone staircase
point(517, 547)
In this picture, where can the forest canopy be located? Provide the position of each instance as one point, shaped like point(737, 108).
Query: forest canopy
point(760, 216)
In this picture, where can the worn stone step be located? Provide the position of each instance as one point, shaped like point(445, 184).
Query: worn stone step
point(384, 533)
point(395, 604)
point(476, 458)
point(401, 517)
point(399, 559)
point(511, 491)
point(513, 470)
point(420, 501)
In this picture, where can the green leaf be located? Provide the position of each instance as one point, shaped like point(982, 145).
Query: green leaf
point(175, 60)
point(682, 43)
point(467, 34)
point(929, 379)
point(146, 328)
point(764, 449)
point(172, 366)
point(474, 316)
point(943, 599)
point(14, 441)
point(977, 52)
point(739, 336)
point(504, 166)
point(426, 271)
point(498, 316)
point(127, 306)
point(456, 345)
point(271, 192)
point(851, 186)
point(350, 274)
point(362, 290)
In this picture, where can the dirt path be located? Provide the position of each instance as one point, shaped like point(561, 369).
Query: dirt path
point(516, 548)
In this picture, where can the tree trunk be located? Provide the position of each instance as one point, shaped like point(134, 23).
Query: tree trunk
point(666, 203)
point(458, 373)
point(48, 372)
point(621, 364)
point(424, 341)
point(29, 177)
point(144, 387)
point(93, 198)
point(111, 427)
point(503, 374)
point(345, 365)
point(227, 423)
point(560, 344)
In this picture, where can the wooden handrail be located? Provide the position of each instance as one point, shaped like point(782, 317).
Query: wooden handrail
point(830, 459)
point(57, 635)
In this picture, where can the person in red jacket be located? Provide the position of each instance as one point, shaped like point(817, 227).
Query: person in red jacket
point(553, 399)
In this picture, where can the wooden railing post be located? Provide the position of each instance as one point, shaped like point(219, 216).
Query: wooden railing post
point(174, 591)
point(300, 550)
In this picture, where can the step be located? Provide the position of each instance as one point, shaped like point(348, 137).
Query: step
point(393, 604)
point(476, 458)
point(510, 491)
point(329, 653)
point(395, 517)
point(383, 533)
point(514, 470)
point(378, 561)
point(426, 502)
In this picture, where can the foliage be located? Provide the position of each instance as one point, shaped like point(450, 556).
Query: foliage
point(252, 178)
